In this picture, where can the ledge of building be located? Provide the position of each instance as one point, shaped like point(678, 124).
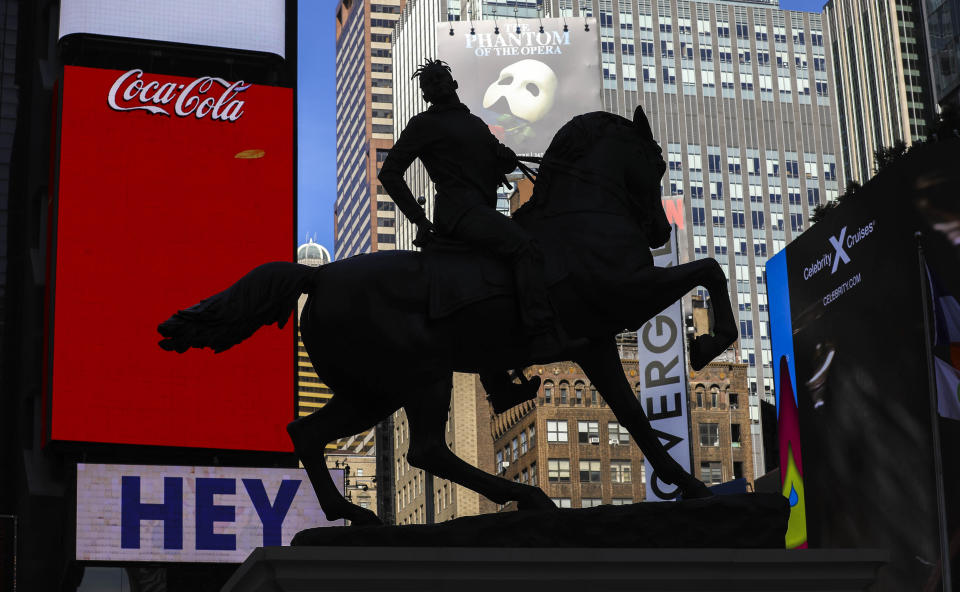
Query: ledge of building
point(466, 569)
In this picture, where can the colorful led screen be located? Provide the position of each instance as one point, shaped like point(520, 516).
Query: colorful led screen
point(170, 189)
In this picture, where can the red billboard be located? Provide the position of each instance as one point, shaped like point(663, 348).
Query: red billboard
point(170, 188)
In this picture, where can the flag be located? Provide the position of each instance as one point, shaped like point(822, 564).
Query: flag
point(946, 348)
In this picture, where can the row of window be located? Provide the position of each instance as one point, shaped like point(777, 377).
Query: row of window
point(588, 432)
point(621, 471)
point(710, 435)
point(591, 502)
point(562, 395)
point(517, 447)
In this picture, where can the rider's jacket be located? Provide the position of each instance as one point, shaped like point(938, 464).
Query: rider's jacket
point(464, 160)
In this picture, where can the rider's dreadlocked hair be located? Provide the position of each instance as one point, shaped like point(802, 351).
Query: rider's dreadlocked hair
point(435, 79)
point(432, 69)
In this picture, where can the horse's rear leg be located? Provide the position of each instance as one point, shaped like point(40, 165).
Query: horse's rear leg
point(311, 434)
point(427, 415)
point(602, 365)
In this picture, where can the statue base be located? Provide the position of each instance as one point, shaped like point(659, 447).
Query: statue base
point(466, 569)
point(746, 521)
point(732, 542)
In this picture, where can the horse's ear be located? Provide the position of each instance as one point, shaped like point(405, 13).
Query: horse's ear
point(643, 124)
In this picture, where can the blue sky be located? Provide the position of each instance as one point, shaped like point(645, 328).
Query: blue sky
point(316, 117)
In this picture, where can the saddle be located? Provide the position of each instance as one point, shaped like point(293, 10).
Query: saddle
point(458, 275)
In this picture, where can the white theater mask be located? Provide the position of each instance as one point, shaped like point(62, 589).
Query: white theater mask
point(529, 87)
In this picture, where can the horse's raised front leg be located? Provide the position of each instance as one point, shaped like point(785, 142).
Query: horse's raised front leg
point(311, 434)
point(427, 415)
point(659, 287)
point(602, 365)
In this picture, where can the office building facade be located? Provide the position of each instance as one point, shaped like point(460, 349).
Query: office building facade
point(883, 84)
point(942, 19)
point(740, 95)
point(364, 215)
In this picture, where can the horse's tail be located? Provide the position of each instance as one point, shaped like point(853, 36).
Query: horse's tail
point(264, 296)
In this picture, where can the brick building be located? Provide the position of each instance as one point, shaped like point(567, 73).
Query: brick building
point(719, 415)
point(568, 442)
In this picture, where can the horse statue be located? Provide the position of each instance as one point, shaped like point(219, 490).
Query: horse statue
point(595, 211)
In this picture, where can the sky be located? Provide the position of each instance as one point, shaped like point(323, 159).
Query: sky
point(316, 135)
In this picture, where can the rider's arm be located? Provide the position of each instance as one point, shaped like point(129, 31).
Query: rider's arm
point(407, 147)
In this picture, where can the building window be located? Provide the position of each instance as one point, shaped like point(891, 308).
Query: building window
point(556, 430)
point(621, 501)
point(533, 474)
point(699, 397)
point(563, 393)
point(734, 401)
point(711, 473)
point(532, 432)
point(548, 392)
point(588, 432)
point(738, 469)
point(524, 476)
point(515, 450)
point(715, 394)
point(590, 502)
point(709, 434)
point(523, 443)
point(590, 471)
point(578, 393)
point(735, 435)
point(562, 502)
point(558, 470)
point(617, 434)
point(620, 471)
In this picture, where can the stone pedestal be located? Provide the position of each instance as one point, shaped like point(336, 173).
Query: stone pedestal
point(466, 569)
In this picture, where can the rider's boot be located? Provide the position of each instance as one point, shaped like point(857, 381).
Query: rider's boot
point(503, 393)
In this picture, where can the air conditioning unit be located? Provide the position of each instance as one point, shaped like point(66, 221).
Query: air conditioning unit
point(614, 441)
point(594, 439)
point(503, 466)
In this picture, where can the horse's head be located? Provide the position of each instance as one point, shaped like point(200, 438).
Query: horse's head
point(611, 153)
point(644, 171)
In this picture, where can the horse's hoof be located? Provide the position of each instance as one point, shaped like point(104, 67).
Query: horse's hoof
point(537, 500)
point(693, 488)
point(705, 348)
point(364, 517)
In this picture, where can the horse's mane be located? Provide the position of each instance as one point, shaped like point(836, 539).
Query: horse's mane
point(571, 143)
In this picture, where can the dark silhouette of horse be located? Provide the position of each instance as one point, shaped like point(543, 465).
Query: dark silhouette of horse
point(596, 211)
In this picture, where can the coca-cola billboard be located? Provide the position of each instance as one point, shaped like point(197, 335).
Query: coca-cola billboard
point(198, 98)
point(168, 187)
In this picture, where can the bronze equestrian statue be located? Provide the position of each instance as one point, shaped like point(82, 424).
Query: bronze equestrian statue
point(467, 164)
point(595, 212)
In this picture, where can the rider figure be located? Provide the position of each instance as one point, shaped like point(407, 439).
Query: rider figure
point(467, 163)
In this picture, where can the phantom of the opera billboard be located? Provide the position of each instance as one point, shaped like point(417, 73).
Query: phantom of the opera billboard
point(865, 329)
point(169, 190)
point(524, 85)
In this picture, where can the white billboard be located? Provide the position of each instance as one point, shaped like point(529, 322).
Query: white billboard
point(527, 78)
point(253, 25)
point(191, 514)
point(663, 386)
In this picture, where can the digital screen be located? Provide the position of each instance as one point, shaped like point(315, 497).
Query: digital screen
point(850, 341)
point(663, 391)
point(191, 514)
point(170, 190)
point(253, 25)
